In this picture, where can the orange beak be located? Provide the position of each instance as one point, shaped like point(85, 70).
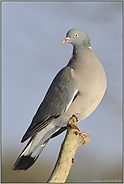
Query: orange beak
point(65, 40)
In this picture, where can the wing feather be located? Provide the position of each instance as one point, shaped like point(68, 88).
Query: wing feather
point(59, 97)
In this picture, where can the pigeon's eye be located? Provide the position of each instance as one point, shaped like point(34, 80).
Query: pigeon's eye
point(76, 34)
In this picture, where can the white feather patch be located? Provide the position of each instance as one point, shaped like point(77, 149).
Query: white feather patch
point(71, 99)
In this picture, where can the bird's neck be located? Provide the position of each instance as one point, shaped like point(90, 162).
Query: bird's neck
point(77, 48)
point(79, 56)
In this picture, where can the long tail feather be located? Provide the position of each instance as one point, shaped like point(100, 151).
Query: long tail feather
point(34, 147)
point(23, 162)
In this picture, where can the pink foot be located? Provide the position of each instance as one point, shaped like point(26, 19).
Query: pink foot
point(76, 116)
point(83, 134)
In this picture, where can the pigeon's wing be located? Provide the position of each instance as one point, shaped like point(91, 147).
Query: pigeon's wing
point(59, 97)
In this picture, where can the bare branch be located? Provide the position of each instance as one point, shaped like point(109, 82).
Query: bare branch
point(73, 140)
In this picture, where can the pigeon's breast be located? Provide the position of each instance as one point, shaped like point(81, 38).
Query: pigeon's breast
point(91, 83)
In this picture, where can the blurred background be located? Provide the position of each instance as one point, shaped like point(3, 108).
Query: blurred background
point(32, 55)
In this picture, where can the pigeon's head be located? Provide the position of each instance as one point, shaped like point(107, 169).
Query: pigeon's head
point(78, 38)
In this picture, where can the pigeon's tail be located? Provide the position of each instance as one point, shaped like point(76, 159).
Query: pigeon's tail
point(28, 156)
point(34, 147)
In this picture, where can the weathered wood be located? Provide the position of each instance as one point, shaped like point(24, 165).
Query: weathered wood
point(72, 141)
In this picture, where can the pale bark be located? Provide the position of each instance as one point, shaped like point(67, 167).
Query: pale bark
point(72, 141)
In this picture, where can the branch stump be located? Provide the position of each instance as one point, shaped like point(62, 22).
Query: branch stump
point(72, 141)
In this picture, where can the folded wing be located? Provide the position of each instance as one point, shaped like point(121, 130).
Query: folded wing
point(59, 97)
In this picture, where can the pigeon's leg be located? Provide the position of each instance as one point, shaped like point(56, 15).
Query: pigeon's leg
point(76, 116)
point(84, 135)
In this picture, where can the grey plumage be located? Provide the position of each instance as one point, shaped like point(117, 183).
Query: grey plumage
point(62, 90)
point(77, 88)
